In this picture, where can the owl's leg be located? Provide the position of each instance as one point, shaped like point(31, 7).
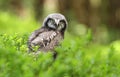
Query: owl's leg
point(54, 55)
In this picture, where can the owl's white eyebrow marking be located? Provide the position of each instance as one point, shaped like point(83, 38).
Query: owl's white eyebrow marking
point(57, 21)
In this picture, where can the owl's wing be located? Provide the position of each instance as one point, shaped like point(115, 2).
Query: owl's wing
point(34, 35)
point(53, 40)
point(44, 38)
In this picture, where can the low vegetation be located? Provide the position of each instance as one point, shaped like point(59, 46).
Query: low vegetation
point(77, 56)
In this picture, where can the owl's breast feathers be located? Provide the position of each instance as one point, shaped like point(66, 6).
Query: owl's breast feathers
point(47, 40)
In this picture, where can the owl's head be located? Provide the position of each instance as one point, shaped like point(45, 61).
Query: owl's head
point(56, 22)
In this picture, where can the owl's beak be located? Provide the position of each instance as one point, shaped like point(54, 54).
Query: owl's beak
point(57, 21)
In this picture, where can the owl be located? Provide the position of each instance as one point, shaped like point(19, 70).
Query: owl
point(49, 35)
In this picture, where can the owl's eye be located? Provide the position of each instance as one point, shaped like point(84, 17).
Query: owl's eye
point(51, 24)
point(61, 25)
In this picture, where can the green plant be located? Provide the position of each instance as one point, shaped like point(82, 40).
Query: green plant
point(75, 59)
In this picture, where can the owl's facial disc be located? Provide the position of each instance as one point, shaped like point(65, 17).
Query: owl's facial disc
point(56, 24)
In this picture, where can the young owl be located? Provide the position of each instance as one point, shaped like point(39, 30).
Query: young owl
point(49, 35)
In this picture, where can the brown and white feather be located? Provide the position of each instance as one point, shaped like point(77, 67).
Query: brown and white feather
point(50, 34)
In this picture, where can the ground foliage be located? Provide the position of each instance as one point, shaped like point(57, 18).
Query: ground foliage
point(77, 56)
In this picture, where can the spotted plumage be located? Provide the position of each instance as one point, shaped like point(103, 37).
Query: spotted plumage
point(49, 35)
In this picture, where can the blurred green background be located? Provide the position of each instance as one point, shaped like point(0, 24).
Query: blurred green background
point(91, 47)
